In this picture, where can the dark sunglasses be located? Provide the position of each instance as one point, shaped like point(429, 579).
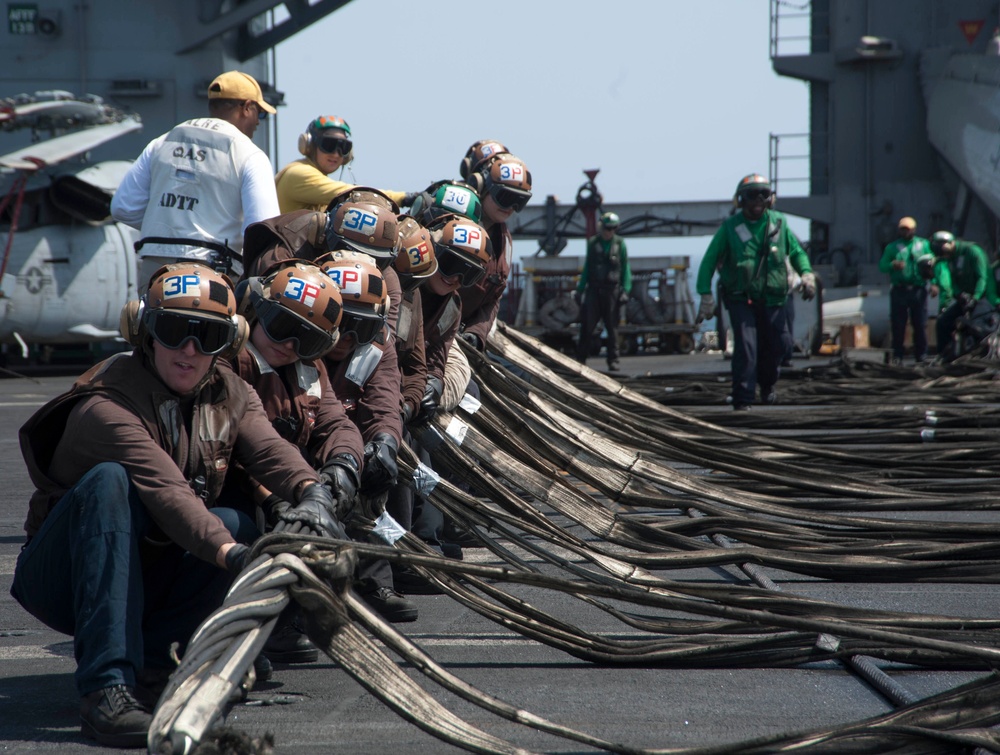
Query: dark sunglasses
point(173, 330)
point(364, 327)
point(509, 199)
point(280, 325)
point(758, 194)
point(332, 145)
point(452, 264)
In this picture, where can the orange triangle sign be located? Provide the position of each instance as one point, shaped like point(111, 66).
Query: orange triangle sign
point(971, 29)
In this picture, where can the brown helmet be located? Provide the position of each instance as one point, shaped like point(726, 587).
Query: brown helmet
point(462, 248)
point(297, 301)
point(364, 220)
point(508, 180)
point(363, 291)
point(479, 153)
point(186, 301)
point(416, 260)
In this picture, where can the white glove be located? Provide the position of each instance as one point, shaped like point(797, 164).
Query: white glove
point(706, 311)
point(808, 286)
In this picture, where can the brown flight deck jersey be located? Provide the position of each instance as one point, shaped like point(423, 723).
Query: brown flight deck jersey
point(119, 411)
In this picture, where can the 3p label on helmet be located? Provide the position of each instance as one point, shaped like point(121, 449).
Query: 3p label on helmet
point(180, 285)
point(418, 254)
point(511, 172)
point(467, 235)
point(360, 221)
point(348, 280)
point(301, 291)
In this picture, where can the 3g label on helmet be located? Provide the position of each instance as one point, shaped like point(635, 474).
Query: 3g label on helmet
point(469, 236)
point(511, 172)
point(301, 291)
point(418, 254)
point(359, 221)
point(181, 285)
point(457, 199)
point(348, 280)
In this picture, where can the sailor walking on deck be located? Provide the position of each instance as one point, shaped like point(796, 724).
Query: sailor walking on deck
point(605, 284)
point(910, 264)
point(749, 251)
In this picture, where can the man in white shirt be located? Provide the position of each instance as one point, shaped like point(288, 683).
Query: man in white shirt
point(193, 191)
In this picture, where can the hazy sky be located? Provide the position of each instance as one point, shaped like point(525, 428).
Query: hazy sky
point(671, 100)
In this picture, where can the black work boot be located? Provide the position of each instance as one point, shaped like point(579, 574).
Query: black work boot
point(114, 717)
point(289, 644)
point(391, 605)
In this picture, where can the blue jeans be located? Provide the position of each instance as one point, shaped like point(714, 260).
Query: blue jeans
point(761, 342)
point(88, 573)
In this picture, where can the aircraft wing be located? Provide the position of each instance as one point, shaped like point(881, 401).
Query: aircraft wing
point(61, 148)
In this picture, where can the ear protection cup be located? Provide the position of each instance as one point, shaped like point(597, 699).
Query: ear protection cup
point(478, 182)
point(248, 291)
point(130, 321)
point(242, 336)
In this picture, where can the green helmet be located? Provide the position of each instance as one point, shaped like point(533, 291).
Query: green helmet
point(610, 220)
point(447, 198)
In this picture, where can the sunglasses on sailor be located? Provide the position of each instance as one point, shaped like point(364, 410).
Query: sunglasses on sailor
point(509, 199)
point(281, 325)
point(332, 145)
point(452, 264)
point(363, 327)
point(173, 329)
point(754, 194)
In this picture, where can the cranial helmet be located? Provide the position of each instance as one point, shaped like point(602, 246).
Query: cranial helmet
point(447, 198)
point(507, 180)
point(416, 260)
point(462, 248)
point(751, 181)
point(363, 292)
point(610, 220)
point(310, 139)
point(186, 301)
point(478, 154)
point(364, 220)
point(942, 241)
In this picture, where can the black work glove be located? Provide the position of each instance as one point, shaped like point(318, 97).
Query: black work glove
point(312, 515)
point(381, 469)
point(340, 474)
point(473, 340)
point(432, 397)
point(237, 559)
point(408, 413)
point(966, 302)
point(409, 198)
point(273, 506)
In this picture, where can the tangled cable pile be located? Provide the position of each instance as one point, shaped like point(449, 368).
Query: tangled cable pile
point(652, 488)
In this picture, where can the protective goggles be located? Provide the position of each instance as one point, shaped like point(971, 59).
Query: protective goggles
point(332, 145)
point(453, 264)
point(173, 329)
point(364, 327)
point(764, 194)
point(508, 198)
point(281, 325)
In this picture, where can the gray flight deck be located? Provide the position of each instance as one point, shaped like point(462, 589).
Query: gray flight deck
point(317, 708)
